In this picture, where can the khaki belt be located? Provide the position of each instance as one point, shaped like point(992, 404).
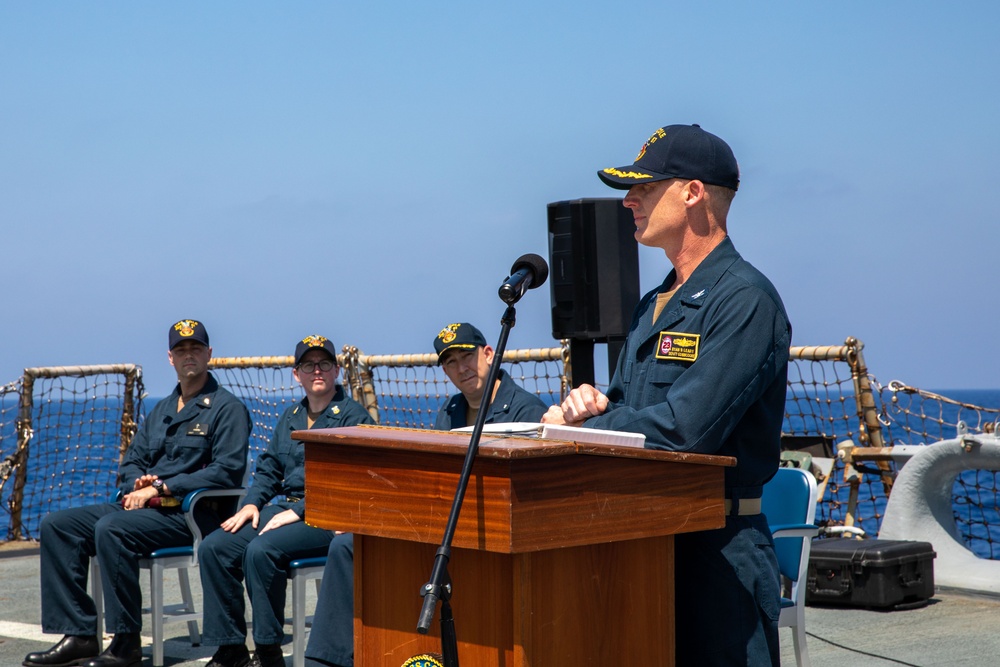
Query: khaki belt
point(747, 507)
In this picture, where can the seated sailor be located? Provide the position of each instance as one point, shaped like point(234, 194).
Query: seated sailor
point(195, 438)
point(263, 537)
point(465, 358)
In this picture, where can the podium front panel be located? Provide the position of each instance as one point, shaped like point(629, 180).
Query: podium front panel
point(594, 604)
point(512, 505)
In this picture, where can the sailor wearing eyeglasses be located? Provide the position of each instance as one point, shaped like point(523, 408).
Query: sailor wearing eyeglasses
point(263, 537)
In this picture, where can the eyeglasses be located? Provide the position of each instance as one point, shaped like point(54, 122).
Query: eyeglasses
point(310, 366)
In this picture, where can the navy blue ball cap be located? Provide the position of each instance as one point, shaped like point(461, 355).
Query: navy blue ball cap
point(187, 330)
point(461, 335)
point(314, 342)
point(678, 151)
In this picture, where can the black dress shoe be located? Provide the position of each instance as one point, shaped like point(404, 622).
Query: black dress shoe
point(124, 651)
point(235, 655)
point(71, 650)
point(268, 655)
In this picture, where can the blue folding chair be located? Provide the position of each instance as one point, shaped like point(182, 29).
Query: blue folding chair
point(301, 571)
point(181, 559)
point(789, 503)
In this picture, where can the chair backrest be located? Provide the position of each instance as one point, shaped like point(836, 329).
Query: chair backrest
point(789, 498)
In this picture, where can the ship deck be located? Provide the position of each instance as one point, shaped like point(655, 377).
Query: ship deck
point(955, 629)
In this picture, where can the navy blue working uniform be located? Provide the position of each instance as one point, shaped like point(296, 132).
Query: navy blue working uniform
point(224, 557)
point(202, 446)
point(709, 376)
point(512, 403)
point(331, 641)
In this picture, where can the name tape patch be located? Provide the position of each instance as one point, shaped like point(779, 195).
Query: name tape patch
point(677, 346)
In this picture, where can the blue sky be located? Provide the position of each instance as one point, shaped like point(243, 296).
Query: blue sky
point(369, 171)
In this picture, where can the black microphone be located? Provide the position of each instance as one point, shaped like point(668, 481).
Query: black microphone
point(528, 272)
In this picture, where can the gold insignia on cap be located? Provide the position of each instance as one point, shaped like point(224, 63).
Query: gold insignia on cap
point(449, 334)
point(314, 341)
point(659, 134)
point(625, 174)
point(186, 327)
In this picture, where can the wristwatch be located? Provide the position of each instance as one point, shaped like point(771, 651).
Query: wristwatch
point(158, 485)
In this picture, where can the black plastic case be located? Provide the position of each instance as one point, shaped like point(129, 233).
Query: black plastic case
point(870, 573)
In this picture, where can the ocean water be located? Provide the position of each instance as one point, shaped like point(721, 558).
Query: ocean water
point(73, 462)
point(976, 493)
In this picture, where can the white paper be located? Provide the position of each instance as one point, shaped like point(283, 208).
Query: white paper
point(596, 436)
point(555, 432)
point(524, 429)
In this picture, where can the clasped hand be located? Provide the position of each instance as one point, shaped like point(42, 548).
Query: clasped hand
point(580, 404)
point(142, 491)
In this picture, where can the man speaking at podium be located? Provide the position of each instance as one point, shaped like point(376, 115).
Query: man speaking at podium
point(703, 370)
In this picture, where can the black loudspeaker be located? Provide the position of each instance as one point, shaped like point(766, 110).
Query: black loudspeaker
point(594, 269)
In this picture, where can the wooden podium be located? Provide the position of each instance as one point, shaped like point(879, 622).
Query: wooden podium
point(563, 553)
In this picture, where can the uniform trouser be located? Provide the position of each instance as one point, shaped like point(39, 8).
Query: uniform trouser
point(727, 595)
point(119, 539)
point(331, 640)
point(225, 558)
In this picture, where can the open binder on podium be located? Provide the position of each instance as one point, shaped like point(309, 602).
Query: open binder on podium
point(558, 432)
